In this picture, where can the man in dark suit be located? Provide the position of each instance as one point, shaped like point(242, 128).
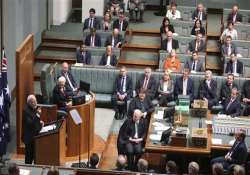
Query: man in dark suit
point(108, 58)
point(82, 55)
point(194, 64)
point(92, 21)
point(184, 85)
point(236, 155)
point(232, 104)
point(197, 44)
point(227, 87)
point(115, 40)
point(246, 97)
point(135, 133)
point(234, 66)
point(147, 82)
point(169, 43)
point(31, 125)
point(123, 92)
point(70, 81)
point(234, 16)
point(207, 90)
point(228, 48)
point(93, 39)
point(141, 102)
point(121, 23)
point(199, 13)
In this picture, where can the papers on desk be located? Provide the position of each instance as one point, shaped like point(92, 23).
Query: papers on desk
point(208, 122)
point(158, 124)
point(159, 115)
point(78, 64)
point(231, 142)
point(155, 137)
point(24, 172)
point(161, 128)
point(216, 141)
point(48, 128)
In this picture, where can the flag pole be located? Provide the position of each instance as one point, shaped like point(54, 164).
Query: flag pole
point(1, 9)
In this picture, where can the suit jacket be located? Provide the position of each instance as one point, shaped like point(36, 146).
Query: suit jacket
point(246, 89)
point(196, 13)
point(72, 80)
point(229, 67)
point(116, 24)
point(178, 89)
point(233, 109)
point(122, 138)
point(170, 87)
point(31, 125)
point(175, 44)
point(224, 49)
point(96, 24)
point(61, 99)
point(202, 31)
point(109, 40)
point(226, 90)
point(130, 129)
point(151, 87)
point(199, 65)
point(109, 27)
point(84, 57)
point(118, 86)
point(98, 42)
point(145, 106)
point(192, 44)
point(170, 28)
point(239, 153)
point(113, 60)
point(208, 93)
point(238, 17)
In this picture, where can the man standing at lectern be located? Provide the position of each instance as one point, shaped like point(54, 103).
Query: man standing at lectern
point(31, 125)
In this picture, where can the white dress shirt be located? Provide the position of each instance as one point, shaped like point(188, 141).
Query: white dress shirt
point(108, 61)
point(169, 45)
point(184, 88)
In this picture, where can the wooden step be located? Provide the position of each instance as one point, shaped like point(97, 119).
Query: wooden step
point(138, 63)
point(53, 59)
point(62, 40)
point(58, 46)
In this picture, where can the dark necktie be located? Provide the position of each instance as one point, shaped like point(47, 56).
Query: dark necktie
point(142, 107)
point(91, 23)
point(122, 84)
point(229, 104)
point(193, 67)
point(83, 57)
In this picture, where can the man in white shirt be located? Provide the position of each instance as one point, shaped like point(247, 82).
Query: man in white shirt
point(234, 66)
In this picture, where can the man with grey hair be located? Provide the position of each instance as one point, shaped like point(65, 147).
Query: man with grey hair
point(142, 166)
point(121, 163)
point(232, 104)
point(193, 168)
point(31, 126)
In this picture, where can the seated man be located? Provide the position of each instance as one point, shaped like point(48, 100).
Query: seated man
point(194, 64)
point(236, 155)
point(82, 55)
point(108, 58)
point(227, 87)
point(184, 85)
point(135, 7)
point(231, 105)
point(199, 13)
point(121, 163)
point(173, 13)
point(197, 44)
point(193, 168)
point(115, 6)
point(135, 132)
point(228, 48)
point(123, 92)
point(70, 81)
point(142, 166)
point(93, 39)
point(234, 66)
point(92, 21)
point(141, 102)
point(121, 23)
point(234, 16)
point(207, 90)
point(246, 97)
point(147, 82)
point(115, 40)
point(169, 43)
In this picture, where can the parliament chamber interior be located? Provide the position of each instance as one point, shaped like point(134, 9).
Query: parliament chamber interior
point(102, 87)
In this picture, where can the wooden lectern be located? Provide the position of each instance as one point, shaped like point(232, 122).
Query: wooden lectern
point(51, 145)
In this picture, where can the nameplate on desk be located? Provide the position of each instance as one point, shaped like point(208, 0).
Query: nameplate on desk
point(48, 128)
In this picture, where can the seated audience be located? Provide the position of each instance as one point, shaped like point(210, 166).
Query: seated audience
point(232, 104)
point(207, 90)
point(194, 64)
point(234, 16)
point(93, 39)
point(229, 31)
point(82, 55)
point(115, 40)
point(115, 6)
point(94, 160)
point(135, 7)
point(108, 58)
point(246, 97)
point(169, 43)
point(234, 66)
point(238, 170)
point(227, 87)
point(184, 85)
point(198, 28)
point(173, 13)
point(62, 95)
point(172, 63)
point(13, 169)
point(142, 166)
point(198, 44)
point(228, 47)
point(165, 89)
point(147, 82)
point(193, 168)
point(136, 131)
point(121, 23)
point(141, 102)
point(199, 13)
point(165, 27)
point(70, 83)
point(217, 169)
point(121, 163)
point(107, 23)
point(171, 168)
point(236, 155)
point(53, 171)
point(123, 92)
point(92, 21)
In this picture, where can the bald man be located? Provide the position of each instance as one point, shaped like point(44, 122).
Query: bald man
point(70, 81)
point(115, 39)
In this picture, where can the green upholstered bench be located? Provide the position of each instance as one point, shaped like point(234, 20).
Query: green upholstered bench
point(243, 31)
point(243, 47)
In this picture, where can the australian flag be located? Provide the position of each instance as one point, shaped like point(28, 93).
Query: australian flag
point(4, 106)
